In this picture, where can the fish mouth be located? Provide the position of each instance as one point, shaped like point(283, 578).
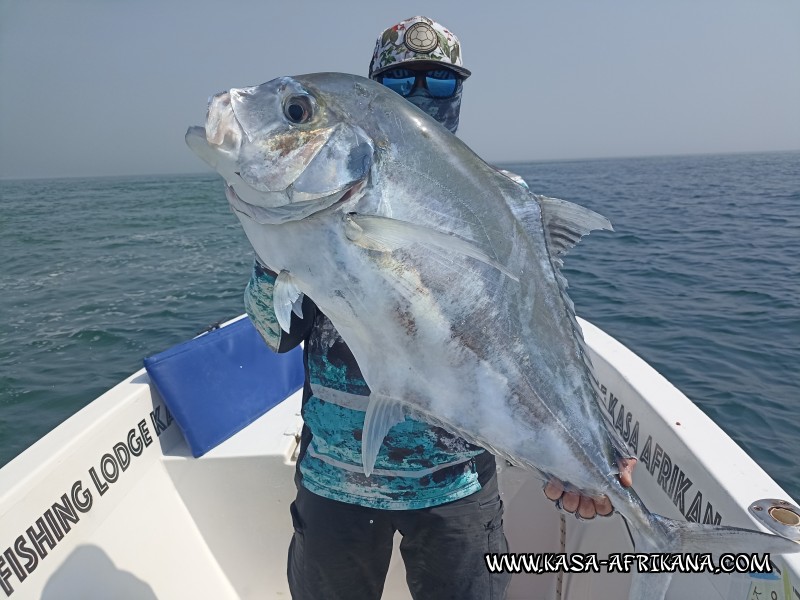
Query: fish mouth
point(293, 212)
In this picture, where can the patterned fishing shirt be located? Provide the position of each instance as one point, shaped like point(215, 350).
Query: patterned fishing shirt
point(418, 465)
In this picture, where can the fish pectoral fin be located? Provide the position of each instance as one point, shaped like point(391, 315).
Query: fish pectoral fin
point(383, 413)
point(286, 298)
point(386, 235)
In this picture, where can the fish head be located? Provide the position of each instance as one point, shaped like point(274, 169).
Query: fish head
point(285, 149)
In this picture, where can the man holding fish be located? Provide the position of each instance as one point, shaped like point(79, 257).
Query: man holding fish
point(438, 490)
point(453, 328)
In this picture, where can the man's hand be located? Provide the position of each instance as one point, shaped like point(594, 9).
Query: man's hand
point(587, 506)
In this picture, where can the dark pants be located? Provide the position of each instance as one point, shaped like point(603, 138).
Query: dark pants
point(341, 551)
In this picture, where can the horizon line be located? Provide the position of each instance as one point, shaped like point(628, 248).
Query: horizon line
point(504, 162)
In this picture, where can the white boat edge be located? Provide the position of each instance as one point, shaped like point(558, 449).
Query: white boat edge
point(111, 503)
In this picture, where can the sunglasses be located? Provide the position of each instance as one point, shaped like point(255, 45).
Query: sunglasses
point(440, 83)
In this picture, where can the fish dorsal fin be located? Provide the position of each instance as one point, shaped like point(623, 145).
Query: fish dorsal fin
point(385, 235)
point(383, 413)
point(286, 298)
point(566, 223)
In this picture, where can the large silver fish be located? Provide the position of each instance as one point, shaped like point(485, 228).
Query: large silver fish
point(442, 276)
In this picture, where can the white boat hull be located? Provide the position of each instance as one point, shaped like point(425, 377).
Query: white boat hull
point(95, 510)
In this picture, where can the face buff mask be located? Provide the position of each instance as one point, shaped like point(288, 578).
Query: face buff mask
point(444, 110)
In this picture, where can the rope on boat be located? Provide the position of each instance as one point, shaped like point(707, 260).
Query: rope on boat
point(560, 577)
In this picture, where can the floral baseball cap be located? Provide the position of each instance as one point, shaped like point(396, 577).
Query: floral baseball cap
point(417, 39)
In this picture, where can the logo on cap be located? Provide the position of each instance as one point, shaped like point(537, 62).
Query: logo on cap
point(421, 37)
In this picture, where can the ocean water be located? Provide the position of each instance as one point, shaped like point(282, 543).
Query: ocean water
point(701, 278)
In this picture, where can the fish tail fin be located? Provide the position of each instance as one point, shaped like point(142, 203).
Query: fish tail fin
point(666, 535)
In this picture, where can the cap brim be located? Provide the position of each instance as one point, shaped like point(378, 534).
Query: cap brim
point(434, 63)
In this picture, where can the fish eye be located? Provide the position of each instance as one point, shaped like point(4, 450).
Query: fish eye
point(299, 109)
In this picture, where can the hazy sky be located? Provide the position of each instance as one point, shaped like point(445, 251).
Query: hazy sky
point(108, 87)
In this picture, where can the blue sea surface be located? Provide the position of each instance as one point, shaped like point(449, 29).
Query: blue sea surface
point(701, 278)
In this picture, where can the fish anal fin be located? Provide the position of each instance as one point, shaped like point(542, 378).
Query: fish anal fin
point(383, 413)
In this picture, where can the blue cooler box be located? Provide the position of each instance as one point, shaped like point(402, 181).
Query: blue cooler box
point(218, 383)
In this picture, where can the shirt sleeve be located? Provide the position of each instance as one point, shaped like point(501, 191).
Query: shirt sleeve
point(259, 306)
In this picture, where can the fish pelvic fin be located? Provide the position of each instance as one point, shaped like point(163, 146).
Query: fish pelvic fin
point(286, 299)
point(674, 536)
point(383, 413)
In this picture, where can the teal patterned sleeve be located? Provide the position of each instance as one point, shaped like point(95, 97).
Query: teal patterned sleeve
point(259, 307)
